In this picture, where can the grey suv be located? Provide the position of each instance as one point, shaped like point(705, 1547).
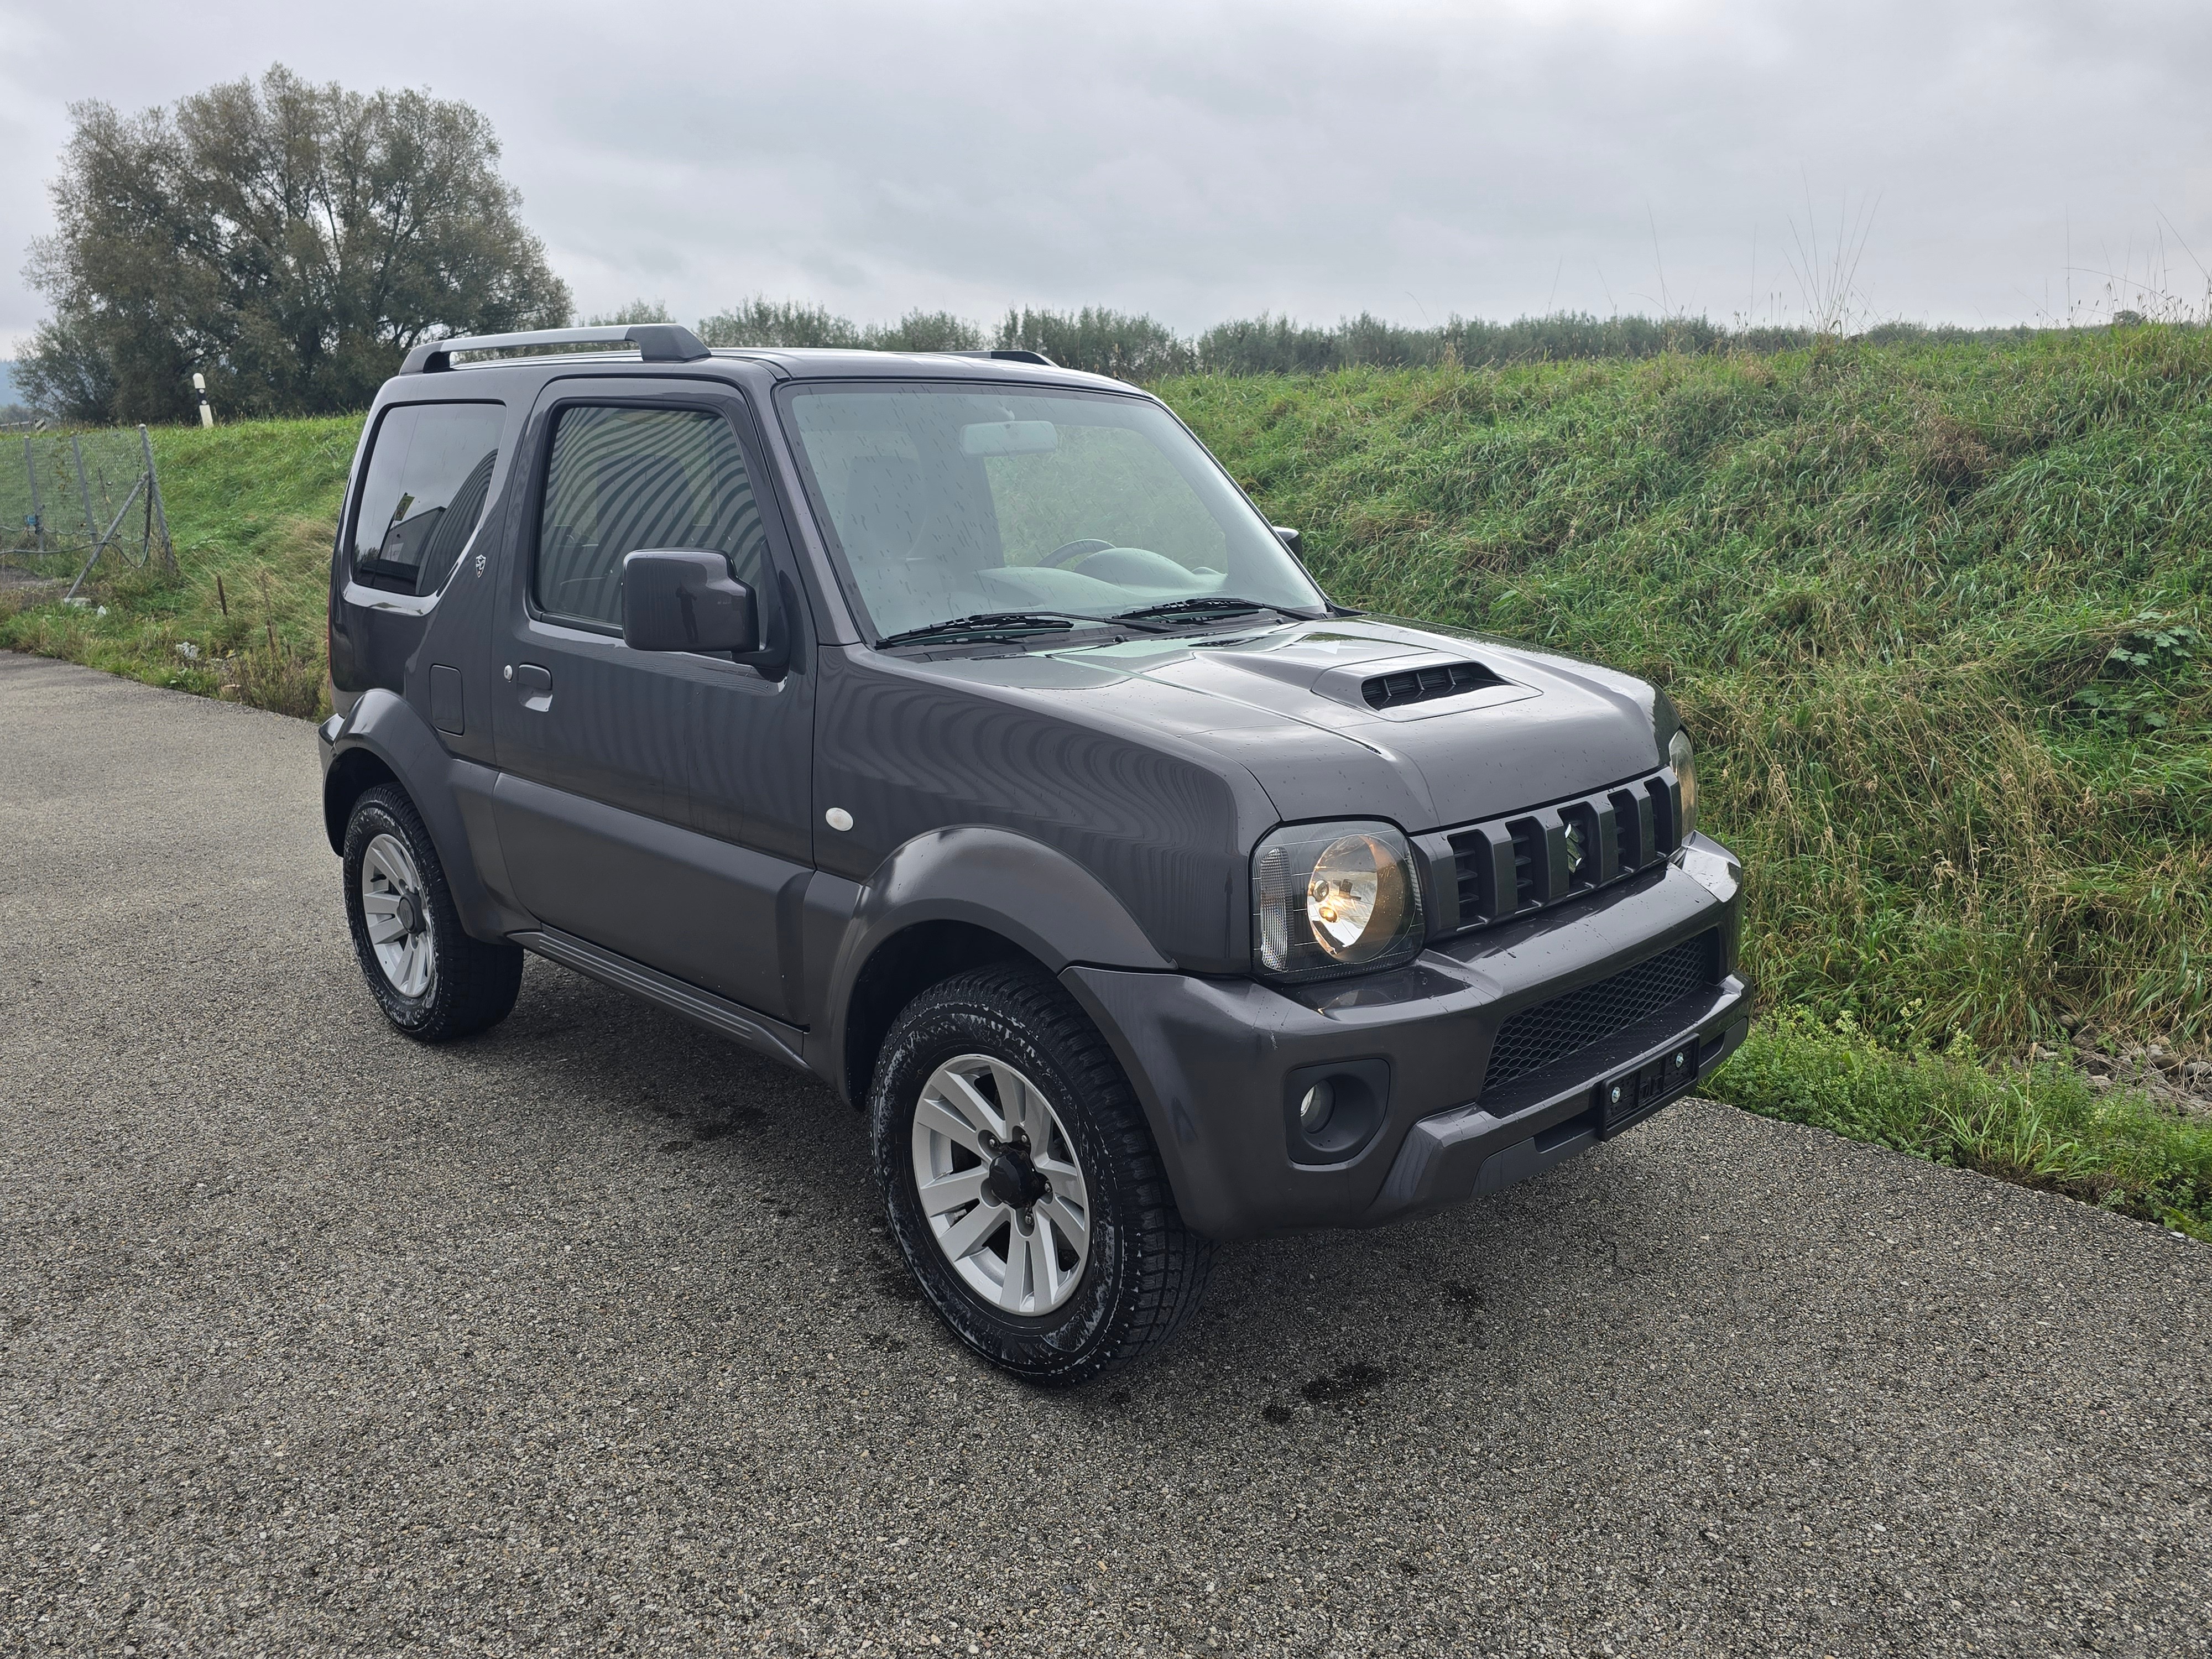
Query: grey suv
point(953, 728)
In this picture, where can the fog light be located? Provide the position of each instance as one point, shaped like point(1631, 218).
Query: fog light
point(1317, 1107)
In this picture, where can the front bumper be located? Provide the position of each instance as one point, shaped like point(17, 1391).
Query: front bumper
point(1212, 1059)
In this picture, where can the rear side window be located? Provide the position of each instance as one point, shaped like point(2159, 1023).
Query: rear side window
point(621, 479)
point(429, 470)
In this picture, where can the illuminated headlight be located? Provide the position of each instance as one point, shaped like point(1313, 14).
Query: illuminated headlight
point(1685, 772)
point(1329, 898)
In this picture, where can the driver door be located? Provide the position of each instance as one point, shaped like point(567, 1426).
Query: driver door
point(607, 832)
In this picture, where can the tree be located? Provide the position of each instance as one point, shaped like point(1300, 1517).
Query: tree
point(289, 242)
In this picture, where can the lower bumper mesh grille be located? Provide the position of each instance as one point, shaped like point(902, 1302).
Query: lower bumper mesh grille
point(1550, 1031)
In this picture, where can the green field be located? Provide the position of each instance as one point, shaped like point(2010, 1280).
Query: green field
point(1932, 610)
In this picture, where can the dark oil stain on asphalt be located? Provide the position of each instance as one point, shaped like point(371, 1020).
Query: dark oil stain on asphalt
point(729, 1120)
point(1346, 1384)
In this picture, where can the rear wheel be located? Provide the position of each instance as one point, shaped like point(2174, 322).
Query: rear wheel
point(433, 980)
point(1022, 1182)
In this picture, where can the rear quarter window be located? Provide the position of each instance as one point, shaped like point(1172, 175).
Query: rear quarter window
point(429, 471)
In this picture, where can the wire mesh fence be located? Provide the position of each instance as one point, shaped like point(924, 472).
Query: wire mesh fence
point(69, 499)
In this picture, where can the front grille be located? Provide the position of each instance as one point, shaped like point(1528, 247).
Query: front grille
point(1507, 866)
point(1550, 1031)
point(1420, 684)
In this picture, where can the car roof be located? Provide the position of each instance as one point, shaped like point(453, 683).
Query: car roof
point(856, 363)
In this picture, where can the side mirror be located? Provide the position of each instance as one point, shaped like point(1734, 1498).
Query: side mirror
point(686, 600)
point(1289, 538)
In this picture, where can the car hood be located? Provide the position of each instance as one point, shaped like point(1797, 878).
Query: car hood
point(1291, 705)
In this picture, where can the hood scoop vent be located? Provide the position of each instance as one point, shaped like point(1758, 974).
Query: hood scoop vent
point(1413, 686)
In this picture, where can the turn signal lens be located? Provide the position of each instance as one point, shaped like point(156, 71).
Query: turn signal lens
point(1330, 898)
point(1685, 774)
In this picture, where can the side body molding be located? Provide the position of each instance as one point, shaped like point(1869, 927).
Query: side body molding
point(1021, 890)
point(453, 795)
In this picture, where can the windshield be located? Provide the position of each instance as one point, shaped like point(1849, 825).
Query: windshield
point(951, 502)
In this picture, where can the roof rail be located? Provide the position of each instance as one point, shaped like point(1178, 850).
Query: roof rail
point(656, 343)
point(1009, 356)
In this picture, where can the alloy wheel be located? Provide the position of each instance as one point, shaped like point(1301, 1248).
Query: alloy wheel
point(1000, 1185)
point(398, 916)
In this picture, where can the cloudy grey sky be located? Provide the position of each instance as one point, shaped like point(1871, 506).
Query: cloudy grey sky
point(1200, 161)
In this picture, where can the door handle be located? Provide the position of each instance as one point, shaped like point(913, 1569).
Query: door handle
point(535, 683)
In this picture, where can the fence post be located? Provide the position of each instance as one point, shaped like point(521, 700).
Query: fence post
point(156, 514)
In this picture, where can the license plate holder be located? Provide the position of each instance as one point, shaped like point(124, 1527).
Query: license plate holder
point(1634, 1096)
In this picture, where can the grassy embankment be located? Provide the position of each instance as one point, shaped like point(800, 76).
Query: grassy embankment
point(1931, 610)
point(252, 508)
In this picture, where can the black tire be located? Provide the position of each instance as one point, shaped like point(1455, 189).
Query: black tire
point(473, 984)
point(1145, 1270)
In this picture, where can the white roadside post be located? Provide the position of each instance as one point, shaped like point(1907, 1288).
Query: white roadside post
point(207, 414)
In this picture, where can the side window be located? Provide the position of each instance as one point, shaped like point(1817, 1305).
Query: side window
point(621, 479)
point(429, 470)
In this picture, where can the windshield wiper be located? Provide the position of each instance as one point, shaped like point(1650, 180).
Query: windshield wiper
point(991, 624)
point(1221, 602)
point(1012, 624)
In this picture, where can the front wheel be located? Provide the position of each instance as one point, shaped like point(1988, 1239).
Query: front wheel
point(1022, 1182)
point(433, 980)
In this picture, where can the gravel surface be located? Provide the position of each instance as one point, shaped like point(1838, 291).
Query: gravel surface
point(581, 1336)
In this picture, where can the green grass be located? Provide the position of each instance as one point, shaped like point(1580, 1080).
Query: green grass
point(1931, 609)
point(2041, 1127)
point(252, 508)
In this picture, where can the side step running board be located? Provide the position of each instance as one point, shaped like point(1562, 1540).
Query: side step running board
point(758, 1032)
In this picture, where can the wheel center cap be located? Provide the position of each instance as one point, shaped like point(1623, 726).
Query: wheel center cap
point(1015, 1180)
point(407, 915)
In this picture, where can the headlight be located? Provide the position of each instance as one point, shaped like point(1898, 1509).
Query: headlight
point(1331, 898)
point(1685, 774)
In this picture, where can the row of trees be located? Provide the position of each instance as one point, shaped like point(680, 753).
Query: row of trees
point(1135, 347)
point(292, 241)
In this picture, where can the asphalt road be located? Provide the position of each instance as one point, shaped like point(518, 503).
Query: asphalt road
point(581, 1336)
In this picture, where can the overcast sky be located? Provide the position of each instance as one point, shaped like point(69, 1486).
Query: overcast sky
point(1201, 161)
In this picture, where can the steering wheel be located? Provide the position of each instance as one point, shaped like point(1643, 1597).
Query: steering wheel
point(1072, 553)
